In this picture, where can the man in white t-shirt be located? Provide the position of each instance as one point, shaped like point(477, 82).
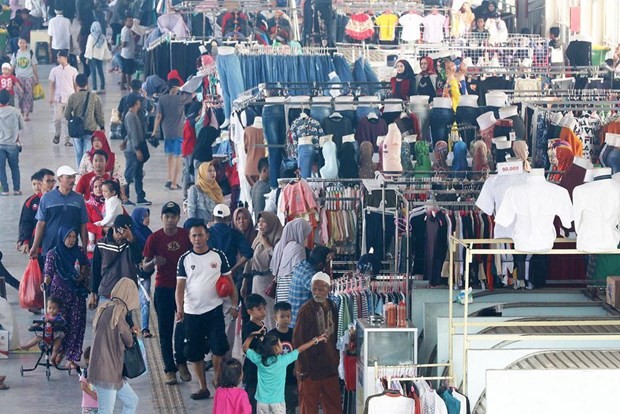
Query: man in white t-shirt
point(200, 307)
point(59, 31)
point(62, 85)
point(128, 53)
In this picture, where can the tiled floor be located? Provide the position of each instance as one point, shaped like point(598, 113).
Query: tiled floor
point(32, 393)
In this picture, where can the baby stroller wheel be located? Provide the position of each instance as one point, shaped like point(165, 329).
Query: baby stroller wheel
point(21, 370)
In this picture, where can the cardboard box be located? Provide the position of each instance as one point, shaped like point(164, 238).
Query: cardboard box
point(612, 297)
point(4, 344)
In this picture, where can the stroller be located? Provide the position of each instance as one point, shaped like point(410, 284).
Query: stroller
point(46, 342)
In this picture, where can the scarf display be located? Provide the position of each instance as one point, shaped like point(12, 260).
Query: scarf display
point(210, 187)
point(124, 298)
point(441, 155)
point(521, 151)
point(366, 166)
point(100, 135)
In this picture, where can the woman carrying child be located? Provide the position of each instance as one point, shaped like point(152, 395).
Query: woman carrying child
point(64, 271)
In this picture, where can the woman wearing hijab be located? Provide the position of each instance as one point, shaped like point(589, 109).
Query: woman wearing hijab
point(174, 74)
point(203, 196)
point(269, 234)
point(287, 254)
point(426, 80)
point(96, 52)
point(68, 283)
point(403, 84)
point(141, 218)
point(242, 221)
point(113, 167)
point(95, 207)
point(112, 335)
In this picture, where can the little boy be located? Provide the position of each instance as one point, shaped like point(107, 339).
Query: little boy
point(52, 323)
point(260, 188)
point(255, 305)
point(9, 82)
point(285, 334)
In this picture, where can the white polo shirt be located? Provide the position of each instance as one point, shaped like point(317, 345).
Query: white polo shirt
point(532, 206)
point(59, 28)
point(491, 197)
point(64, 82)
point(201, 272)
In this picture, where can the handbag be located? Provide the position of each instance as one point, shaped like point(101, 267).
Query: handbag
point(271, 289)
point(133, 360)
point(223, 287)
point(144, 149)
point(37, 92)
point(76, 123)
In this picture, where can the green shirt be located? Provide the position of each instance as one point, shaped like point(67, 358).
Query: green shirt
point(271, 378)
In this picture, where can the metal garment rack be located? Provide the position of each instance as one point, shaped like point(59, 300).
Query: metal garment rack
point(470, 252)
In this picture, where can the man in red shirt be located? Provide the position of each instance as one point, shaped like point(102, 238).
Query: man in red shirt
point(100, 159)
point(163, 250)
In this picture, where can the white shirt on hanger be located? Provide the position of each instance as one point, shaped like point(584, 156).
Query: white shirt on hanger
point(532, 206)
point(390, 403)
point(411, 26)
point(433, 28)
point(596, 206)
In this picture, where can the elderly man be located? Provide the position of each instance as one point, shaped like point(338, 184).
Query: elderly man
point(318, 366)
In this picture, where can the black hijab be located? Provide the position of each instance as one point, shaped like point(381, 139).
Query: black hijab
point(407, 73)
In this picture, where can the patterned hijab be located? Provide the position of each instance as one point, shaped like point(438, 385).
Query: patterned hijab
point(441, 155)
point(210, 187)
point(97, 201)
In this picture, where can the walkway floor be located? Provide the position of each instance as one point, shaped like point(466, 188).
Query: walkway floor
point(62, 394)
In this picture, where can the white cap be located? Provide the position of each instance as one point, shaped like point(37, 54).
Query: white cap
point(502, 143)
point(393, 105)
point(418, 99)
point(508, 111)
point(497, 99)
point(486, 120)
point(221, 210)
point(65, 170)
point(470, 101)
point(323, 277)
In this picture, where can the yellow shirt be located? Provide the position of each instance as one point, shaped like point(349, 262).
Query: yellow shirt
point(387, 26)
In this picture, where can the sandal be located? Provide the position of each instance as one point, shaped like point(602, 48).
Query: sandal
point(201, 395)
point(17, 193)
point(56, 140)
point(68, 144)
point(168, 184)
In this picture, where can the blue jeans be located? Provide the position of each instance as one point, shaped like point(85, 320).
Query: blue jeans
point(362, 111)
point(363, 72)
point(229, 69)
point(145, 302)
point(320, 112)
point(96, 68)
point(467, 115)
point(274, 128)
point(107, 399)
point(81, 146)
point(343, 69)
point(441, 120)
point(9, 153)
point(134, 173)
point(305, 157)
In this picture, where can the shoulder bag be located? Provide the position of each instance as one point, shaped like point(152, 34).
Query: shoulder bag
point(76, 123)
point(133, 360)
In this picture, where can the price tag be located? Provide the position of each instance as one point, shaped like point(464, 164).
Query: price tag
point(512, 136)
point(510, 168)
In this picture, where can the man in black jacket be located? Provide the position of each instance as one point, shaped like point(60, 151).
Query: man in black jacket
point(115, 256)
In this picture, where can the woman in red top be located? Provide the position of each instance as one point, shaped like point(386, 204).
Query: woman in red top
point(403, 84)
point(9, 82)
point(95, 207)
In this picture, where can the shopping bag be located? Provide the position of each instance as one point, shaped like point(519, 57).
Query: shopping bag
point(134, 363)
point(30, 293)
point(38, 92)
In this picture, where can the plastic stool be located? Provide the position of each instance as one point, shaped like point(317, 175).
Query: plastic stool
point(42, 52)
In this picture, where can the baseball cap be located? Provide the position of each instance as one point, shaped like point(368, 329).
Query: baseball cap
point(122, 220)
point(63, 53)
point(221, 210)
point(65, 170)
point(171, 207)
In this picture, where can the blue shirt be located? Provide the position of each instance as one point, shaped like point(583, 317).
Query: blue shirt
point(271, 378)
point(56, 210)
point(230, 241)
point(301, 288)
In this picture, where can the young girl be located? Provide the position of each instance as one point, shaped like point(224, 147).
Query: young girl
point(9, 82)
point(229, 398)
point(272, 365)
point(113, 205)
point(89, 395)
